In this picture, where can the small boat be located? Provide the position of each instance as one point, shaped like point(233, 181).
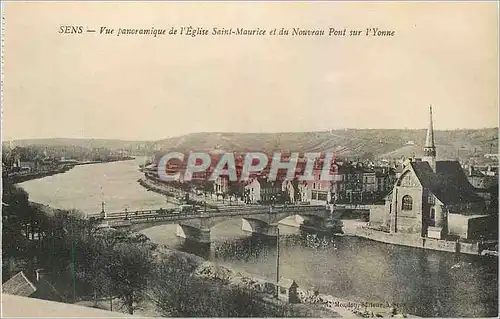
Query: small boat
point(460, 264)
point(492, 253)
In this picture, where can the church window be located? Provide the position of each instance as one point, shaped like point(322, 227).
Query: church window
point(430, 199)
point(407, 180)
point(407, 203)
point(432, 217)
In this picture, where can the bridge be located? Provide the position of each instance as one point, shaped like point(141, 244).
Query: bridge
point(196, 225)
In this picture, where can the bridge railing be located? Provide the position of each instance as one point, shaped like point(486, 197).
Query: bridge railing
point(121, 220)
point(228, 211)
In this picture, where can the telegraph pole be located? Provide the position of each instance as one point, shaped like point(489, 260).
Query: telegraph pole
point(73, 261)
point(277, 259)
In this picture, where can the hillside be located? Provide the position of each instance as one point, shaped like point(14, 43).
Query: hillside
point(345, 143)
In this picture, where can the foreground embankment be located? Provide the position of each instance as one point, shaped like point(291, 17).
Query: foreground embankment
point(319, 305)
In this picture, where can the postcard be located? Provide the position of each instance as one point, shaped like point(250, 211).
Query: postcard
point(249, 159)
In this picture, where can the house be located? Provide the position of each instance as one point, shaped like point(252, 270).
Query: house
point(304, 192)
point(431, 198)
point(352, 183)
point(260, 190)
point(287, 290)
point(290, 191)
point(322, 191)
point(35, 286)
point(221, 185)
point(270, 191)
point(479, 179)
point(19, 285)
point(28, 165)
point(252, 191)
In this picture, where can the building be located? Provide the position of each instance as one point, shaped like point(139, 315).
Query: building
point(353, 188)
point(304, 192)
point(290, 191)
point(35, 287)
point(385, 178)
point(432, 199)
point(19, 285)
point(480, 180)
point(260, 190)
point(221, 185)
point(28, 165)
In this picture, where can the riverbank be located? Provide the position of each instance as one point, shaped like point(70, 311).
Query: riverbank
point(17, 178)
point(172, 195)
point(150, 186)
point(21, 177)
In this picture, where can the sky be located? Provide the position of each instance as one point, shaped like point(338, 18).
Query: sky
point(145, 88)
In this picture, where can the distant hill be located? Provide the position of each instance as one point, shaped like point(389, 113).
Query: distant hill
point(375, 143)
point(110, 144)
point(345, 143)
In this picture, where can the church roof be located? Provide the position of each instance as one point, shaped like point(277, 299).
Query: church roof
point(449, 184)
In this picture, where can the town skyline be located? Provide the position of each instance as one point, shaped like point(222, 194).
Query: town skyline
point(145, 88)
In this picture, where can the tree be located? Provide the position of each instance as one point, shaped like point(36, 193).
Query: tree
point(178, 292)
point(129, 267)
point(170, 284)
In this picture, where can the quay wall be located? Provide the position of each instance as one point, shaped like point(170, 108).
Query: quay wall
point(415, 241)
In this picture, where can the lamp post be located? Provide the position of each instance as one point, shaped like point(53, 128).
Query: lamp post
point(73, 260)
point(273, 199)
point(103, 212)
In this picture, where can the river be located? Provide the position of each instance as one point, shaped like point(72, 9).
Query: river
point(424, 283)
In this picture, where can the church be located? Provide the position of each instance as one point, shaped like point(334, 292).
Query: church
point(432, 198)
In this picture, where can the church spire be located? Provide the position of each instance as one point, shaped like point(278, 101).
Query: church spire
point(429, 141)
point(430, 147)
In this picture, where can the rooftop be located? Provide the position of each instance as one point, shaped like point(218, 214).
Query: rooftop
point(449, 184)
point(24, 307)
point(19, 285)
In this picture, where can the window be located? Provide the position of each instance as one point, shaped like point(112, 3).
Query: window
point(282, 290)
point(407, 180)
point(407, 203)
point(430, 199)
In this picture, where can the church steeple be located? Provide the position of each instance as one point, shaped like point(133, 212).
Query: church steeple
point(429, 141)
point(430, 147)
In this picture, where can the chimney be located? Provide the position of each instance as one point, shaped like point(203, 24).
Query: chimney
point(39, 274)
